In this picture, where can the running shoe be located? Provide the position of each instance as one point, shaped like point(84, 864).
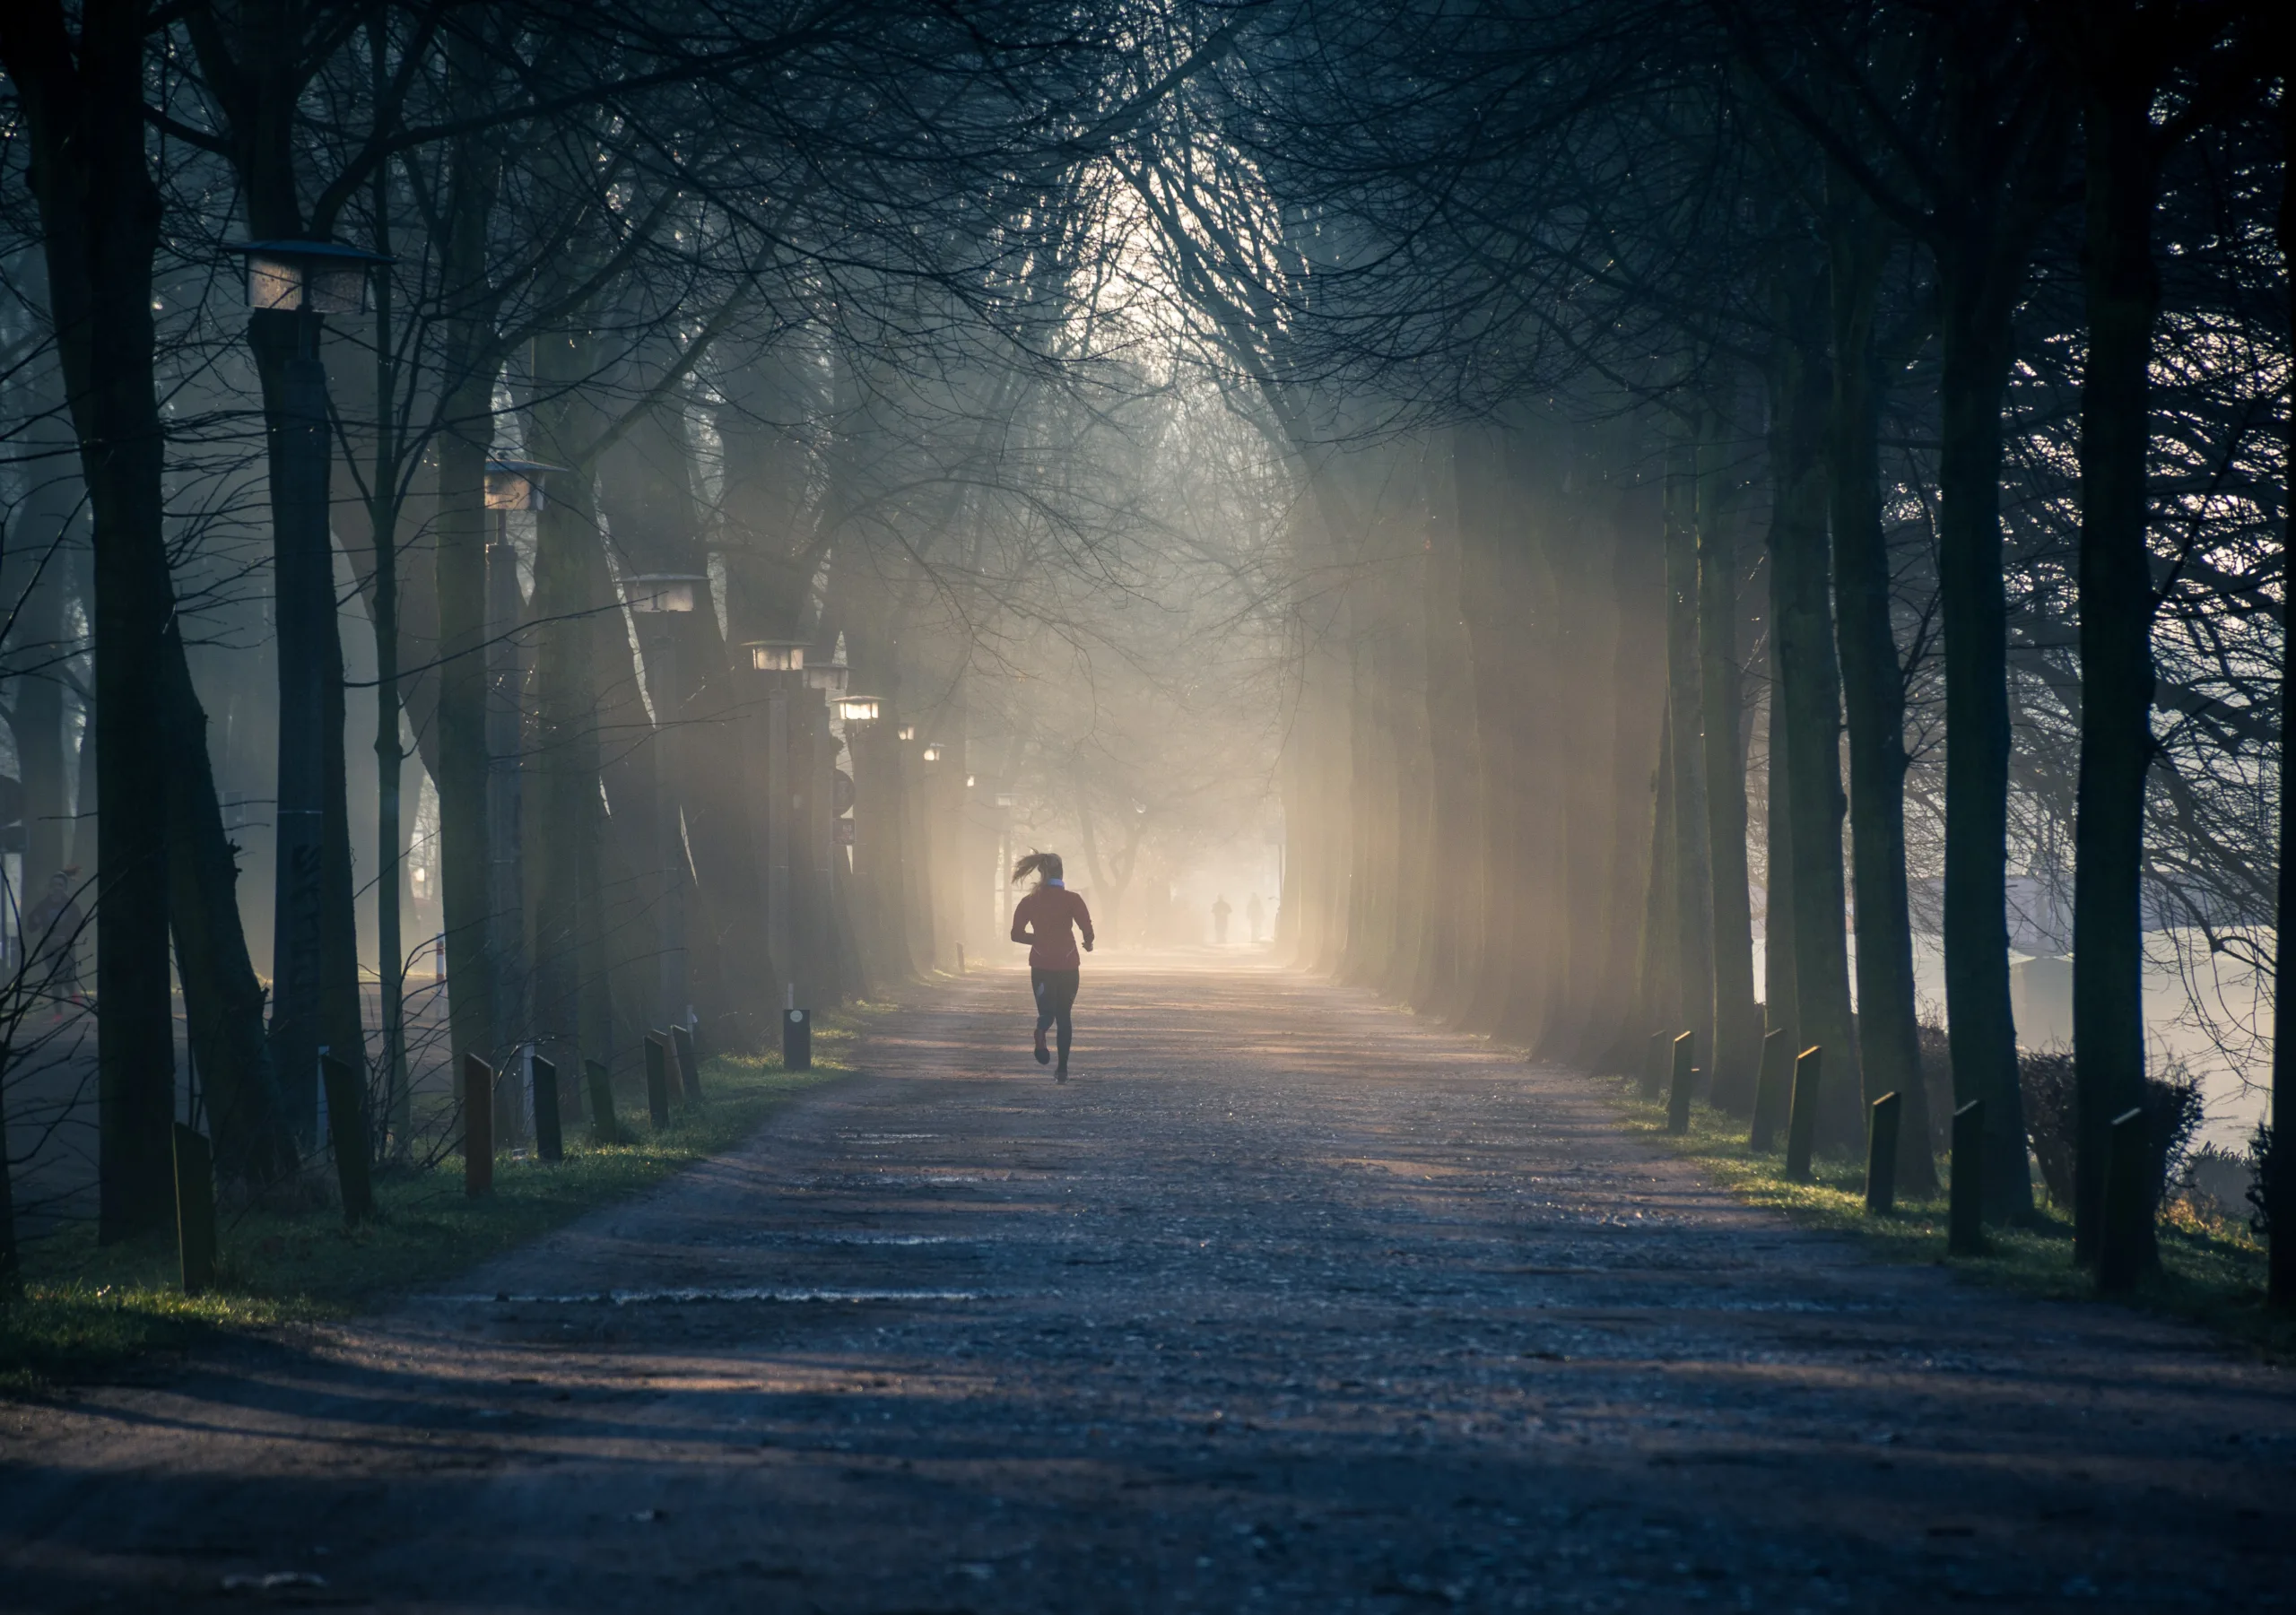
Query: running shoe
point(1061, 1075)
point(1044, 1055)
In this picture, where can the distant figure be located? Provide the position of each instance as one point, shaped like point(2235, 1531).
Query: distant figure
point(1220, 913)
point(1254, 914)
point(52, 940)
point(1043, 919)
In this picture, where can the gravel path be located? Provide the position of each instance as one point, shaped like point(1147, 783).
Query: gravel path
point(1286, 1303)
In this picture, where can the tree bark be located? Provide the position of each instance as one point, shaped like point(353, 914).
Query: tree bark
point(1781, 1004)
point(1809, 682)
point(1873, 692)
point(1975, 370)
point(2123, 291)
point(1637, 703)
point(82, 102)
point(1693, 878)
point(2279, 1166)
point(222, 998)
point(1737, 1022)
point(461, 528)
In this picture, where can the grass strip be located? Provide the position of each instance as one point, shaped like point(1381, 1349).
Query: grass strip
point(2212, 1266)
point(92, 1313)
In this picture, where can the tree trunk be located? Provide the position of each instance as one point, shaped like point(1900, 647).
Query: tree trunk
point(222, 998)
point(1874, 695)
point(1638, 701)
point(311, 1004)
point(2117, 742)
point(1809, 683)
point(45, 522)
point(1454, 953)
point(461, 527)
point(82, 103)
point(464, 860)
point(1976, 352)
point(573, 605)
point(1737, 1022)
point(2279, 1166)
point(1781, 1004)
point(1694, 879)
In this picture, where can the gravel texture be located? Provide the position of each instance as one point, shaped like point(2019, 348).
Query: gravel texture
point(1285, 1302)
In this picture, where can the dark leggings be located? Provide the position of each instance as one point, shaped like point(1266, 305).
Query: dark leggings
point(1055, 991)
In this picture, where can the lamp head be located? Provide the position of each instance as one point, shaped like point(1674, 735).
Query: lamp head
point(652, 592)
point(515, 485)
point(306, 277)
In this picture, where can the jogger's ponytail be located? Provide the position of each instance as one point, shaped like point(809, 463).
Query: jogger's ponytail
point(1044, 865)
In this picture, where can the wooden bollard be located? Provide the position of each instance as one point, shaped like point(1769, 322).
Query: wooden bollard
point(1657, 1064)
point(689, 1063)
point(1965, 1209)
point(657, 1079)
point(550, 1138)
point(797, 1039)
point(478, 1127)
point(1882, 1156)
point(346, 1125)
point(1685, 1079)
point(1772, 1087)
point(194, 1210)
point(1802, 1122)
point(2129, 1207)
point(605, 1128)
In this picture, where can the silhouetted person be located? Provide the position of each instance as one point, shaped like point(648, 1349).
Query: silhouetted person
point(1253, 915)
point(1220, 913)
point(1043, 919)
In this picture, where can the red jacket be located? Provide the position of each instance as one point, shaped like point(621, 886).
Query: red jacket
point(1043, 919)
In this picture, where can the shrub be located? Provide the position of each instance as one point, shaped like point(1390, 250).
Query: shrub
point(2046, 1077)
point(1937, 1083)
point(2266, 1187)
point(2219, 1182)
point(2172, 1104)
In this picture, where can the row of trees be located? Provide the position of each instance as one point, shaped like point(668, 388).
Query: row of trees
point(1656, 438)
point(802, 315)
point(1882, 424)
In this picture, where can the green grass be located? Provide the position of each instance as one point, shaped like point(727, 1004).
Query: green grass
point(2213, 1267)
point(95, 1313)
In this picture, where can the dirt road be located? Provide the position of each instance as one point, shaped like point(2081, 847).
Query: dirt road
point(1287, 1302)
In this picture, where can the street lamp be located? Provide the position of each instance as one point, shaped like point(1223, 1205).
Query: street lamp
point(776, 655)
point(828, 678)
point(661, 596)
point(654, 592)
point(908, 732)
point(858, 708)
point(510, 485)
point(783, 664)
point(516, 485)
point(292, 286)
point(932, 753)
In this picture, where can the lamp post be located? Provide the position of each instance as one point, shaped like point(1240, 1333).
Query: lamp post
point(291, 287)
point(661, 598)
point(858, 713)
point(780, 664)
point(825, 684)
point(511, 485)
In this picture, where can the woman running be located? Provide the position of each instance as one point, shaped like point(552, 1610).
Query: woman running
point(1042, 919)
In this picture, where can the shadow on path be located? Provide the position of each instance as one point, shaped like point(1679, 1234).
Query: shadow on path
point(1286, 1302)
